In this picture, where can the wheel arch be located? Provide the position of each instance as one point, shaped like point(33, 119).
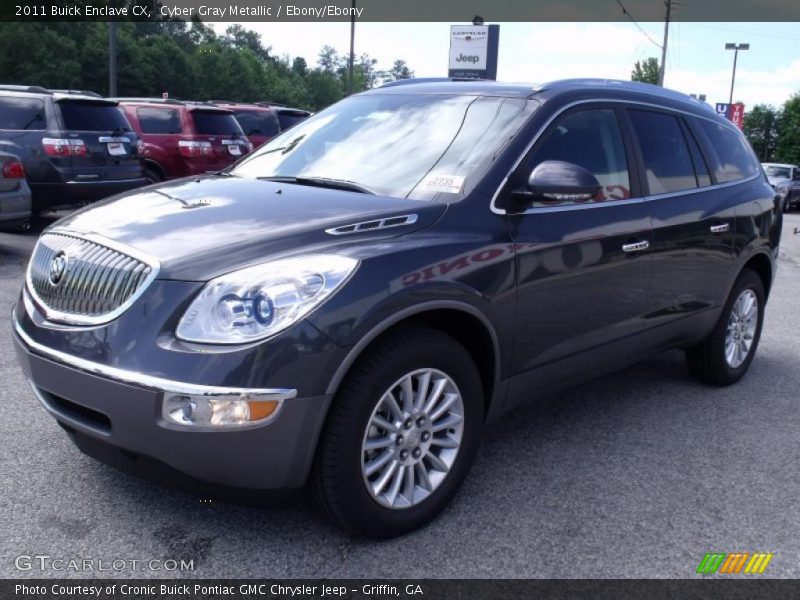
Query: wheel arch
point(156, 166)
point(761, 263)
point(465, 323)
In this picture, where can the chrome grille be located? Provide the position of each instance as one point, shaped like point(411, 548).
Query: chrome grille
point(99, 279)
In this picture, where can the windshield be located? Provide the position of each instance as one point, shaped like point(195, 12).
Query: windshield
point(395, 144)
point(779, 172)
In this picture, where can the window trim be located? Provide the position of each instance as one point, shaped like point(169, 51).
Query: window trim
point(599, 101)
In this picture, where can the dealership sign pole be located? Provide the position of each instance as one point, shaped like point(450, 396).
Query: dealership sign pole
point(473, 51)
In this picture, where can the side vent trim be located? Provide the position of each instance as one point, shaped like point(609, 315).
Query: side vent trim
point(386, 223)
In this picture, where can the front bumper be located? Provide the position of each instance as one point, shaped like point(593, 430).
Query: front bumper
point(121, 409)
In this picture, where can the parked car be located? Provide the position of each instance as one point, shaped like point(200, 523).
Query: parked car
point(260, 123)
point(184, 138)
point(354, 301)
point(76, 147)
point(785, 179)
point(15, 195)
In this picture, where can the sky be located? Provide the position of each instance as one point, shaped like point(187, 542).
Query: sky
point(697, 62)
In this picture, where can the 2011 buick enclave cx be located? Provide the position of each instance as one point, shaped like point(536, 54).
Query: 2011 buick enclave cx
point(352, 303)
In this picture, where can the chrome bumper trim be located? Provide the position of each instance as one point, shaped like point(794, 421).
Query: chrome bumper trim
point(148, 381)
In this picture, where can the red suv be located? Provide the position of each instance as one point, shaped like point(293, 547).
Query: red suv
point(184, 138)
point(260, 123)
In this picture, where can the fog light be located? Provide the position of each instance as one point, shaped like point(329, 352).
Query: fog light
point(215, 411)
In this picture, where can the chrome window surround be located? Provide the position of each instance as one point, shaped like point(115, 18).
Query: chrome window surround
point(73, 319)
point(160, 384)
point(501, 211)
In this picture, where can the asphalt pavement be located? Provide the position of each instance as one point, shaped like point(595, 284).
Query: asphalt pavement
point(637, 474)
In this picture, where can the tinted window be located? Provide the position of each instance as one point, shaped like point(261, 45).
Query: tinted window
point(700, 165)
point(287, 119)
point(215, 123)
point(159, 120)
point(21, 113)
point(87, 116)
point(667, 162)
point(592, 140)
point(730, 157)
point(258, 122)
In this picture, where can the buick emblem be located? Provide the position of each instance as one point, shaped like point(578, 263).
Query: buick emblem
point(58, 267)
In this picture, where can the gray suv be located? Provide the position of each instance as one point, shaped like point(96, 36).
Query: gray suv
point(349, 305)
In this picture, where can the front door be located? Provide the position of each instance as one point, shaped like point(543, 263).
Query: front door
point(583, 267)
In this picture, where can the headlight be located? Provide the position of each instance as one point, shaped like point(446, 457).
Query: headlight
point(257, 302)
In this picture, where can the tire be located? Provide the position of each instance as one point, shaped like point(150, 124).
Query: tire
point(152, 175)
point(708, 361)
point(339, 476)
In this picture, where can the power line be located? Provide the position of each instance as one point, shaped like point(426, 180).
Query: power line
point(639, 27)
point(746, 31)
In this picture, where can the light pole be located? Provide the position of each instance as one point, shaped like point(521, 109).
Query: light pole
point(735, 48)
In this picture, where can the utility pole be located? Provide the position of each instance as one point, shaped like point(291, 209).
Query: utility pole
point(112, 58)
point(352, 49)
point(664, 46)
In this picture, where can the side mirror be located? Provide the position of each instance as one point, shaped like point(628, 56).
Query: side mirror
point(556, 180)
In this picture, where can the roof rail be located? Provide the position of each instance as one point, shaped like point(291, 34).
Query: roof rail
point(414, 80)
point(32, 89)
point(78, 92)
point(269, 103)
point(145, 99)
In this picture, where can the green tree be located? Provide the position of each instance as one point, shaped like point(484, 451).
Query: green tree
point(761, 128)
point(788, 147)
point(646, 71)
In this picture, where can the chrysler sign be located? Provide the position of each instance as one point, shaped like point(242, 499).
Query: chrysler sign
point(473, 51)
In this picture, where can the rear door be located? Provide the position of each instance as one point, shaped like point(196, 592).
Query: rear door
point(103, 145)
point(693, 224)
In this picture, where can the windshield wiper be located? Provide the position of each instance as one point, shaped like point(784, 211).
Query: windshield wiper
point(337, 184)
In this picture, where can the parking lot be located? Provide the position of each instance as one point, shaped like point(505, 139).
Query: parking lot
point(637, 474)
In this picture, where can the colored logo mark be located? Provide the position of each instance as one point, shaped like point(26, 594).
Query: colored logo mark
point(734, 563)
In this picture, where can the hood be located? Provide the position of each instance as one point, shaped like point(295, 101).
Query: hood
point(199, 228)
point(773, 181)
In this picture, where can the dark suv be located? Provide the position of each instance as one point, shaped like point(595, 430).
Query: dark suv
point(76, 147)
point(184, 138)
point(353, 302)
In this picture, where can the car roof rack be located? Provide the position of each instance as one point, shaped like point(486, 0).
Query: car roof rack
point(78, 93)
point(414, 80)
point(31, 89)
point(145, 99)
point(269, 104)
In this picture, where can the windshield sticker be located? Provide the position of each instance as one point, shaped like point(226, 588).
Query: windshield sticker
point(450, 184)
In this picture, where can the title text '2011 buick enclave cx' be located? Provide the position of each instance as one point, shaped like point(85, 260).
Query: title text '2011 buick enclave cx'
point(353, 302)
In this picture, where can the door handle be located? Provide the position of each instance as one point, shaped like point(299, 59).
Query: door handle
point(720, 228)
point(636, 246)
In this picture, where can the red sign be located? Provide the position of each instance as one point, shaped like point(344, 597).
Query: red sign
point(736, 114)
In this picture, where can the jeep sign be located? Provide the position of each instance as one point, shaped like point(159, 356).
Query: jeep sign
point(473, 51)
